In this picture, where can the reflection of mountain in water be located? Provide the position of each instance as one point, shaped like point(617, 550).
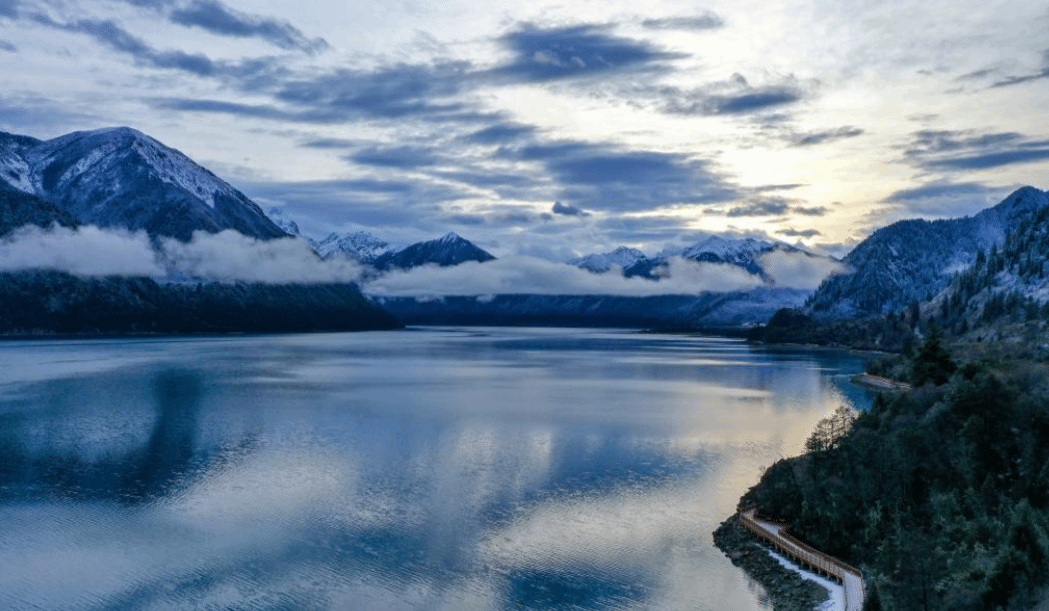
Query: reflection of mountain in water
point(305, 491)
point(169, 452)
point(162, 464)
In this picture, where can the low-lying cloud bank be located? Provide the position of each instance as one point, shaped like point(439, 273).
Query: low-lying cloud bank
point(84, 251)
point(798, 270)
point(229, 256)
point(523, 275)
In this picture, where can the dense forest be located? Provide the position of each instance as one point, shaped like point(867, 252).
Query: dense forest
point(940, 495)
point(48, 302)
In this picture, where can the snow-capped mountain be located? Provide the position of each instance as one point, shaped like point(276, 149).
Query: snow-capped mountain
point(14, 170)
point(120, 177)
point(282, 220)
point(359, 245)
point(622, 258)
point(913, 260)
point(451, 249)
point(717, 249)
point(744, 252)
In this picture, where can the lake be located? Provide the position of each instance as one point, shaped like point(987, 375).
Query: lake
point(432, 468)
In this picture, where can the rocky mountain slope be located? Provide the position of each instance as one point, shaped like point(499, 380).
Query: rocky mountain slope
point(621, 258)
point(358, 245)
point(445, 251)
point(914, 260)
point(120, 177)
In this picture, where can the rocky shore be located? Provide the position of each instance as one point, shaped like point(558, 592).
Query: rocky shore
point(787, 590)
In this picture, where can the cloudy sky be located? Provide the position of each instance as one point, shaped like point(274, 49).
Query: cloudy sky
point(553, 129)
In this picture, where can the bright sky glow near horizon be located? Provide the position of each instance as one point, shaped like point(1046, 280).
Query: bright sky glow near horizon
point(809, 121)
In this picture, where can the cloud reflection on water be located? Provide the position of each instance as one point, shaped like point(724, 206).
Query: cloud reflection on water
point(355, 475)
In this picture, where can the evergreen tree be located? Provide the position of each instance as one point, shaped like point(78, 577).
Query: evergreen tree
point(933, 362)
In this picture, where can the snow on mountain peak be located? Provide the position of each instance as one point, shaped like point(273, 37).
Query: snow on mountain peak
point(451, 236)
point(724, 248)
point(358, 244)
point(622, 257)
point(110, 146)
point(282, 220)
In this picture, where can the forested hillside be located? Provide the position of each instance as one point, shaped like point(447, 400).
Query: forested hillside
point(914, 260)
point(54, 302)
point(940, 495)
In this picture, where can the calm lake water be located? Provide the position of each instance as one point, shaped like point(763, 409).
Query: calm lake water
point(423, 469)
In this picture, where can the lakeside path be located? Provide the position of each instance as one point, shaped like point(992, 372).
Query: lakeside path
point(850, 578)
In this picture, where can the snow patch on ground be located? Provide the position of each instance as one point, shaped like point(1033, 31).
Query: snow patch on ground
point(834, 589)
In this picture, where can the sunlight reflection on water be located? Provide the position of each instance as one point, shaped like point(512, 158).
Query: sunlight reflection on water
point(433, 468)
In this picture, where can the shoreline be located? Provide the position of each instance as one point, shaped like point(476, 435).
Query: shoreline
point(786, 589)
point(835, 591)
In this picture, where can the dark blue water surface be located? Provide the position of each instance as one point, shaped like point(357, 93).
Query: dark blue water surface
point(424, 469)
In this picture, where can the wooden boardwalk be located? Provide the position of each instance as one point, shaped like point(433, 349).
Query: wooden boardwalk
point(850, 577)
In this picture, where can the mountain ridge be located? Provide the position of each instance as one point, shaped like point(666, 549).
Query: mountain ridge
point(450, 249)
point(120, 177)
point(912, 260)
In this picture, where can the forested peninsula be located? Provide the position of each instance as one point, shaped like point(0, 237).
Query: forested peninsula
point(940, 495)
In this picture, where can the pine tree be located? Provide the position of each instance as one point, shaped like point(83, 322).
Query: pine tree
point(933, 362)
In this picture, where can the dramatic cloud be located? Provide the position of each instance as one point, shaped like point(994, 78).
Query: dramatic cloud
point(528, 275)
point(703, 21)
point(800, 233)
point(8, 8)
point(967, 150)
point(581, 51)
point(798, 270)
point(943, 199)
point(220, 19)
point(732, 97)
point(1026, 78)
point(824, 136)
point(108, 33)
point(604, 177)
point(772, 207)
point(427, 91)
point(501, 134)
point(85, 251)
point(810, 210)
point(231, 256)
point(567, 210)
point(397, 157)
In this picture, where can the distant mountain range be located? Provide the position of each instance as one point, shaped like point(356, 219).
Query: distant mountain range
point(745, 253)
point(713, 309)
point(621, 258)
point(122, 178)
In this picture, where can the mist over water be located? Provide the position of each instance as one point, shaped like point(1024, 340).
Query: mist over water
point(426, 469)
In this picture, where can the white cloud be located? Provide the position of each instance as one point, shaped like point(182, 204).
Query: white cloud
point(85, 251)
point(529, 275)
point(231, 256)
point(798, 270)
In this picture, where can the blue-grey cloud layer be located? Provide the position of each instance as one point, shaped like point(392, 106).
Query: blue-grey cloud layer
point(220, 19)
point(580, 51)
point(960, 151)
point(703, 21)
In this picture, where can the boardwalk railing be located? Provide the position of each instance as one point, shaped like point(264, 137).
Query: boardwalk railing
point(850, 577)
